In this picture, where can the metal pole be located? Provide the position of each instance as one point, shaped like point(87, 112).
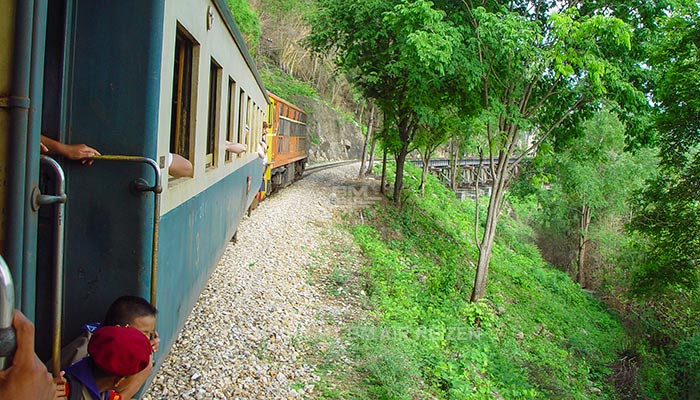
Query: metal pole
point(58, 198)
point(36, 87)
point(18, 103)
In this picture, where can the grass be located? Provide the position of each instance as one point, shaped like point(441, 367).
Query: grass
point(536, 335)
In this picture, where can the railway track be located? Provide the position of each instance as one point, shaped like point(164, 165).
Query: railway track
point(316, 168)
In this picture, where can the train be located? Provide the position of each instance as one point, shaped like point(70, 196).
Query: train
point(288, 145)
point(141, 82)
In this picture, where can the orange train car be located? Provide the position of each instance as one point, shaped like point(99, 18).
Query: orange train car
point(288, 144)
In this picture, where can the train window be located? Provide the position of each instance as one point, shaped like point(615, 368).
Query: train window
point(215, 72)
point(254, 125)
point(261, 118)
point(241, 118)
point(184, 97)
point(248, 124)
point(230, 126)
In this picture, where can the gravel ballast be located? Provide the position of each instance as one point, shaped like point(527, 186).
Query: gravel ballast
point(244, 338)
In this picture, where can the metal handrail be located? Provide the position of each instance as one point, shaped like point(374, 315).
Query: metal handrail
point(157, 189)
point(59, 198)
point(7, 305)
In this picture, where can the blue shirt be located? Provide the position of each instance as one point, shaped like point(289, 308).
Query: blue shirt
point(82, 372)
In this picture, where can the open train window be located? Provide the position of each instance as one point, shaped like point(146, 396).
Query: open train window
point(241, 118)
point(215, 73)
point(248, 124)
point(184, 95)
point(230, 123)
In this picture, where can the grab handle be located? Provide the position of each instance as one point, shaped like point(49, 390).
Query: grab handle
point(59, 199)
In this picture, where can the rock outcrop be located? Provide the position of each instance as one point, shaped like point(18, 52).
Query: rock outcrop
point(332, 136)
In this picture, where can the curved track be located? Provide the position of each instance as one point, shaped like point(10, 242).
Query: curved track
point(322, 167)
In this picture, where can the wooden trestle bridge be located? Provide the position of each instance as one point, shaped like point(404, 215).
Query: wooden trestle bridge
point(466, 172)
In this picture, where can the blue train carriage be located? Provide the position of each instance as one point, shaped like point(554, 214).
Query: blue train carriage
point(136, 78)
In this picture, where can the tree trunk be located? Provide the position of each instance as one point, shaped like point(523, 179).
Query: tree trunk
point(381, 188)
point(425, 157)
point(454, 154)
point(584, 225)
point(398, 180)
point(364, 146)
point(371, 157)
point(497, 190)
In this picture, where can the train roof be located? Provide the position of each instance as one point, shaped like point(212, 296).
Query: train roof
point(287, 102)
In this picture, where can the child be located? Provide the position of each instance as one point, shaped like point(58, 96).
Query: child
point(125, 311)
point(115, 353)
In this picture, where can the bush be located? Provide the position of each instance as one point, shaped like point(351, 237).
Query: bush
point(535, 335)
point(685, 361)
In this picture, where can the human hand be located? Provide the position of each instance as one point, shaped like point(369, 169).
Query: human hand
point(236, 148)
point(60, 383)
point(130, 385)
point(80, 152)
point(27, 377)
point(155, 341)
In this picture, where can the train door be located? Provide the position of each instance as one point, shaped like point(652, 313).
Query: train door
point(100, 88)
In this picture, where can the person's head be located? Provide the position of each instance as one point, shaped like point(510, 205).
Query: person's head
point(264, 126)
point(117, 352)
point(136, 312)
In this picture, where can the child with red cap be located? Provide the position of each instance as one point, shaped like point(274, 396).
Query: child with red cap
point(134, 311)
point(114, 353)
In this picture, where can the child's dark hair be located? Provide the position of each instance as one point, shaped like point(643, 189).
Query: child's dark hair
point(126, 309)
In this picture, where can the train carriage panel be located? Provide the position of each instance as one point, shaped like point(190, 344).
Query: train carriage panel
point(200, 214)
point(110, 96)
point(112, 71)
point(209, 28)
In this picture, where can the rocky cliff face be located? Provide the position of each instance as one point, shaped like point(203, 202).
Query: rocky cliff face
point(332, 136)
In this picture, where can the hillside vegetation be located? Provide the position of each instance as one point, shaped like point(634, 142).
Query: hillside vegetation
point(536, 334)
point(614, 176)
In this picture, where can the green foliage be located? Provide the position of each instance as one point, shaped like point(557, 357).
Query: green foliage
point(686, 363)
point(390, 371)
point(285, 85)
point(280, 8)
point(669, 212)
point(247, 21)
point(589, 172)
point(535, 336)
point(396, 52)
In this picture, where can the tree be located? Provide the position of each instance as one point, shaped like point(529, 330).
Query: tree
point(594, 177)
point(398, 53)
point(669, 214)
point(433, 133)
point(247, 21)
point(540, 73)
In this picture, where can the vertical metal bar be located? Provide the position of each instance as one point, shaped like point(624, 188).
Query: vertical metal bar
point(156, 229)
point(59, 198)
point(31, 215)
point(17, 150)
point(7, 301)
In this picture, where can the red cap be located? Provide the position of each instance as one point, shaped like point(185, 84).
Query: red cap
point(119, 351)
